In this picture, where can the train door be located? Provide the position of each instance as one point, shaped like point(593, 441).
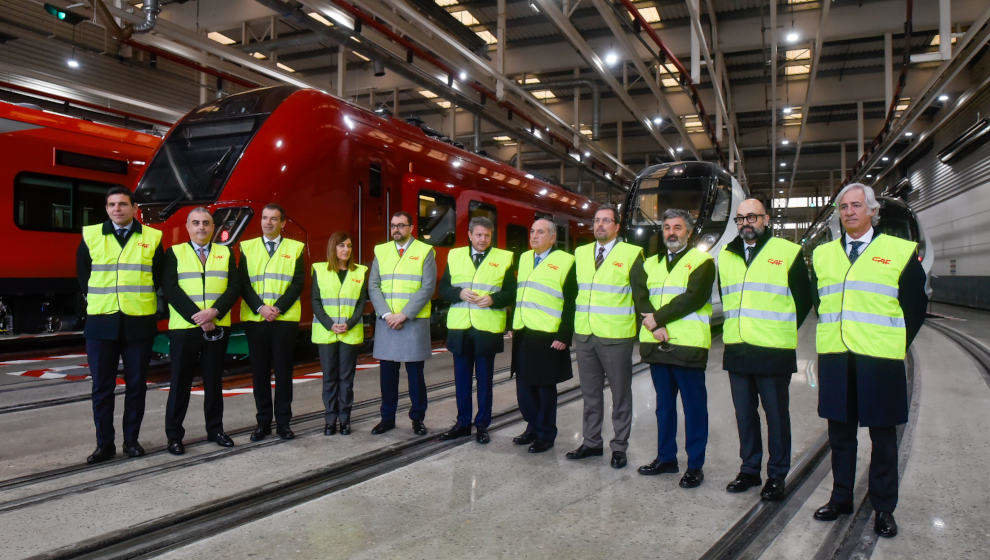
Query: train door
point(371, 211)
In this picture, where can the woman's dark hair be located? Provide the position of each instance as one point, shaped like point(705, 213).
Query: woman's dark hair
point(333, 264)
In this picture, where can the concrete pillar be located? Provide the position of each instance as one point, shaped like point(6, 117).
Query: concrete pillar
point(695, 48)
point(945, 29)
point(842, 160)
point(500, 49)
point(477, 132)
point(859, 130)
point(341, 71)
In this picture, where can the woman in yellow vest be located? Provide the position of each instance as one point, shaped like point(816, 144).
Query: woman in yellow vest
point(339, 293)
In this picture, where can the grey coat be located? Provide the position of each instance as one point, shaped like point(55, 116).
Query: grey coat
point(411, 343)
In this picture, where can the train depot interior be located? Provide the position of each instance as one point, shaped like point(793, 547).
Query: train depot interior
point(345, 112)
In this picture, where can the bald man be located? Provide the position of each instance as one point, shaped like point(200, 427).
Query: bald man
point(766, 294)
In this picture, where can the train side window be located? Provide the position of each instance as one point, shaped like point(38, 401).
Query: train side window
point(437, 219)
point(476, 208)
point(516, 239)
point(722, 202)
point(54, 203)
point(375, 179)
point(561, 238)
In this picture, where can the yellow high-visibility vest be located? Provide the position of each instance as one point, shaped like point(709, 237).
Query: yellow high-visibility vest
point(859, 310)
point(271, 276)
point(540, 291)
point(484, 280)
point(339, 300)
point(756, 301)
point(604, 305)
point(402, 276)
point(202, 284)
point(121, 279)
point(694, 329)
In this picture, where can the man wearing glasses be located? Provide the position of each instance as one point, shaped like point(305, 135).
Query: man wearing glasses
point(672, 291)
point(400, 286)
point(766, 294)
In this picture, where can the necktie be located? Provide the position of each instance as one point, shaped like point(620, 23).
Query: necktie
point(536, 261)
point(401, 251)
point(202, 255)
point(600, 258)
point(122, 234)
point(271, 247)
point(477, 259)
point(749, 255)
point(854, 251)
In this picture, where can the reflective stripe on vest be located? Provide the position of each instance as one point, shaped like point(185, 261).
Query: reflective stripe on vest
point(540, 291)
point(756, 300)
point(402, 277)
point(694, 329)
point(339, 301)
point(270, 276)
point(859, 311)
point(203, 288)
point(604, 305)
point(121, 279)
point(484, 280)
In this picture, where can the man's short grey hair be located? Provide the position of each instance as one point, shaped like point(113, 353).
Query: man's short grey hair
point(671, 213)
point(871, 199)
point(199, 209)
point(551, 227)
point(480, 221)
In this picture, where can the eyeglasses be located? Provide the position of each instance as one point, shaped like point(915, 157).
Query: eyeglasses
point(749, 218)
point(398, 226)
point(604, 221)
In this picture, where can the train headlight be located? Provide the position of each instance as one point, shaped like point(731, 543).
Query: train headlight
point(706, 241)
point(230, 224)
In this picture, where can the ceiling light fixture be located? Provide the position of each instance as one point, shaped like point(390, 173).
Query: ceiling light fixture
point(611, 58)
point(792, 37)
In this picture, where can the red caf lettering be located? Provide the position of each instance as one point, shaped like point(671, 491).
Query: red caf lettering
point(143, 245)
point(618, 264)
point(881, 260)
point(775, 262)
point(553, 266)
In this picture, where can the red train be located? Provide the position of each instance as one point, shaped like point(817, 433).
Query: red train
point(335, 166)
point(55, 170)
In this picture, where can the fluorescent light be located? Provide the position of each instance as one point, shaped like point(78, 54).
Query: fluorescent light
point(781, 180)
point(427, 93)
point(909, 134)
point(220, 38)
point(657, 120)
point(679, 149)
point(885, 158)
point(258, 55)
point(361, 56)
point(72, 63)
point(792, 37)
point(943, 98)
point(785, 141)
point(284, 67)
point(445, 3)
point(465, 17)
point(611, 58)
point(783, 164)
point(486, 36)
point(501, 138)
point(787, 110)
point(318, 17)
point(543, 94)
point(650, 14)
point(339, 16)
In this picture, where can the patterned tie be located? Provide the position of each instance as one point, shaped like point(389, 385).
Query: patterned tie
point(478, 258)
point(202, 255)
point(600, 258)
point(854, 251)
point(749, 255)
point(401, 251)
point(271, 247)
point(536, 261)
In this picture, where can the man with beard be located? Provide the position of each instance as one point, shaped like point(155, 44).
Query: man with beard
point(766, 294)
point(605, 327)
point(400, 285)
point(672, 294)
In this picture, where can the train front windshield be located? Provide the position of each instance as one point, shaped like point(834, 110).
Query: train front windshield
point(689, 187)
point(897, 220)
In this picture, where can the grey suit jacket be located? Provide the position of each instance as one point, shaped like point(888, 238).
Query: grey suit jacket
point(411, 343)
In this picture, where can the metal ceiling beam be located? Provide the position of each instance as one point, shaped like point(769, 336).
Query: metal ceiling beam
point(591, 58)
point(773, 96)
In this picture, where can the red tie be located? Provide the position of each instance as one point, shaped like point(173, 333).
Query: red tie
point(202, 255)
point(400, 252)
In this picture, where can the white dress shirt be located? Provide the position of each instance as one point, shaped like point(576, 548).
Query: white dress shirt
point(865, 238)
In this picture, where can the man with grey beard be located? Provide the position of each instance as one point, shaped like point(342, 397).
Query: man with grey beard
point(766, 294)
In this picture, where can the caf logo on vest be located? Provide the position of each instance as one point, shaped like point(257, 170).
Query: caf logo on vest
point(143, 245)
point(553, 266)
point(775, 262)
point(285, 256)
point(356, 280)
point(881, 260)
point(688, 266)
point(493, 264)
point(414, 258)
point(219, 257)
point(618, 264)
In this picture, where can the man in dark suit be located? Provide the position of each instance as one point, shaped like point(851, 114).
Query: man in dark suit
point(200, 283)
point(119, 265)
point(479, 283)
point(542, 328)
point(871, 290)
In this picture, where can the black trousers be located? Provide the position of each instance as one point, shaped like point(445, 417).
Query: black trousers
point(103, 356)
point(538, 405)
point(270, 345)
point(190, 352)
point(338, 361)
point(883, 455)
point(748, 391)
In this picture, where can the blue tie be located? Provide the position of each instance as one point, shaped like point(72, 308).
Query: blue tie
point(854, 251)
point(536, 261)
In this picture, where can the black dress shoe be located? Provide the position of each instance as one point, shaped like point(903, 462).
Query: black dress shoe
point(692, 478)
point(420, 429)
point(330, 429)
point(175, 447)
point(102, 453)
point(831, 512)
point(133, 449)
point(345, 428)
point(221, 439)
point(584, 451)
point(383, 426)
point(618, 459)
point(884, 525)
point(482, 437)
point(285, 433)
point(260, 433)
point(453, 433)
point(524, 438)
point(743, 482)
point(773, 490)
point(658, 467)
point(539, 446)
